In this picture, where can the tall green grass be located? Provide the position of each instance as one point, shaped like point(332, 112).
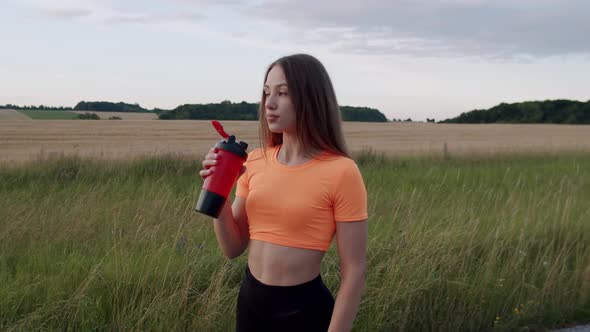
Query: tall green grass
point(454, 244)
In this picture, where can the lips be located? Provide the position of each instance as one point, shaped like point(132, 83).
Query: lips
point(272, 117)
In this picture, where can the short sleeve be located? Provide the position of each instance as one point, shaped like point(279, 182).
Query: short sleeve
point(243, 186)
point(350, 196)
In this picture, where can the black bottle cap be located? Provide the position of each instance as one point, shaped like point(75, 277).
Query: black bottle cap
point(232, 146)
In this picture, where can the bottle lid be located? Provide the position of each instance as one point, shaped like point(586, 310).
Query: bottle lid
point(234, 147)
point(229, 142)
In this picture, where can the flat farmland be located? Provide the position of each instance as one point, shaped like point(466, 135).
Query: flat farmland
point(7, 115)
point(127, 139)
point(49, 115)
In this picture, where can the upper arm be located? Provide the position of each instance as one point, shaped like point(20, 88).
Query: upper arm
point(241, 219)
point(351, 239)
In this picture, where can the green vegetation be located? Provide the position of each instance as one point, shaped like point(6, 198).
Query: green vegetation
point(363, 114)
point(454, 244)
point(227, 110)
point(62, 115)
point(32, 107)
point(88, 116)
point(50, 115)
point(104, 106)
point(549, 111)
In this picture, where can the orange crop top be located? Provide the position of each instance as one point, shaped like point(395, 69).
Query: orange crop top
point(298, 206)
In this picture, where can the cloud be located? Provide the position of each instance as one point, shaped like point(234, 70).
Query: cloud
point(113, 15)
point(149, 18)
point(491, 29)
point(64, 13)
point(213, 2)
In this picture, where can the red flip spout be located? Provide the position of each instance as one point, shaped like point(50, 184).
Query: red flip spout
point(219, 129)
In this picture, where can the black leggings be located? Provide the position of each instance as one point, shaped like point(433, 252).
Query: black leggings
point(304, 307)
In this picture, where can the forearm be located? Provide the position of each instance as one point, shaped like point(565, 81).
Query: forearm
point(347, 301)
point(228, 233)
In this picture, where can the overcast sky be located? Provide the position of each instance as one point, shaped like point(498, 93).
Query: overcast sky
point(413, 58)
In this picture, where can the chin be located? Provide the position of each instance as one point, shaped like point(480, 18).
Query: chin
point(274, 128)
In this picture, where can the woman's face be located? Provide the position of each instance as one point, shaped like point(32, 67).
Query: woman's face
point(280, 112)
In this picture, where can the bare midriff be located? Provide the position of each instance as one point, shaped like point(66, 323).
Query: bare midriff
point(278, 265)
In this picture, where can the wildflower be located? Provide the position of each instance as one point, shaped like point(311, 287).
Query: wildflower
point(497, 321)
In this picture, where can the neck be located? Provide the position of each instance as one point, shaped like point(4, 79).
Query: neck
point(291, 151)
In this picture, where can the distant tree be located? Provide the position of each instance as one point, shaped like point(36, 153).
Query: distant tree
point(365, 114)
point(115, 118)
point(548, 111)
point(32, 107)
point(227, 110)
point(103, 106)
point(88, 116)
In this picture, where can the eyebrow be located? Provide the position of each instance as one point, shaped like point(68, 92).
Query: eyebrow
point(278, 85)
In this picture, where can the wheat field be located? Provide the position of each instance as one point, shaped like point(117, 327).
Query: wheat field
point(12, 115)
point(22, 141)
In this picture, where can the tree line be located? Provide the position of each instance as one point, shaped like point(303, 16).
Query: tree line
point(34, 108)
point(548, 111)
point(227, 110)
point(104, 106)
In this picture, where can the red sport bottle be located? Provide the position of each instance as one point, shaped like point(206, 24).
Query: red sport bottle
point(218, 185)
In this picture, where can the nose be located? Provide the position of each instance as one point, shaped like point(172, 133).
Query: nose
point(270, 103)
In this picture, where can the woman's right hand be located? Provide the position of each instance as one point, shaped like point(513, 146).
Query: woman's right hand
point(211, 159)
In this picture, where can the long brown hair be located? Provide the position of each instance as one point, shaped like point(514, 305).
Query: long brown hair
point(319, 123)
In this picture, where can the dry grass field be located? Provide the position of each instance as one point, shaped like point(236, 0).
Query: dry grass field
point(12, 115)
point(127, 139)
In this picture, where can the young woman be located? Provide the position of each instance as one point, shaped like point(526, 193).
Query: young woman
point(296, 191)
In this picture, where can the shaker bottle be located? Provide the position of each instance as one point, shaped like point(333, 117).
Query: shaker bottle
point(218, 185)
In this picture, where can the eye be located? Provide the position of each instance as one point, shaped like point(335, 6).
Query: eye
point(282, 93)
point(266, 93)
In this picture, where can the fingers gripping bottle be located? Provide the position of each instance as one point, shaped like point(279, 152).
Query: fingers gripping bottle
point(218, 185)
